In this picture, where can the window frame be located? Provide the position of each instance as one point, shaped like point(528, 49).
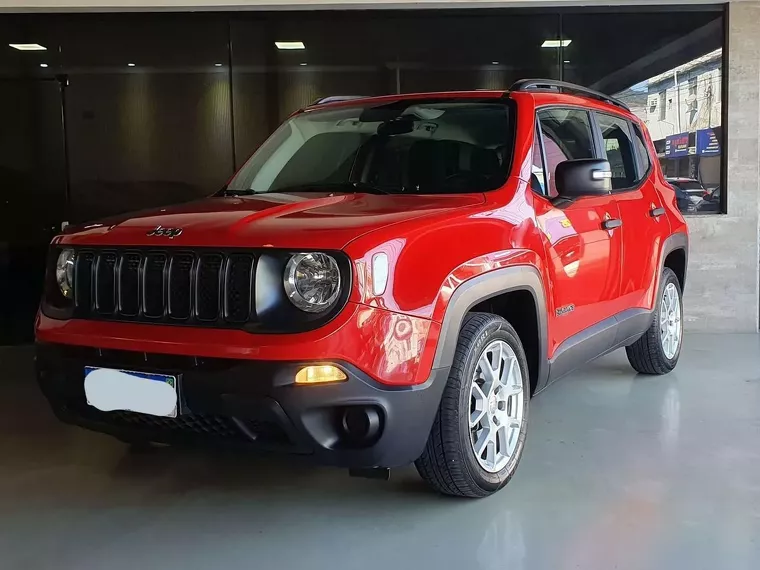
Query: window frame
point(538, 134)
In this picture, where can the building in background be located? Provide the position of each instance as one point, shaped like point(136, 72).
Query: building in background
point(683, 111)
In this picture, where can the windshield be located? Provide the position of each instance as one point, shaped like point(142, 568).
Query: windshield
point(411, 146)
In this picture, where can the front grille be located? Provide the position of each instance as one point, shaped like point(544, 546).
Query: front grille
point(193, 423)
point(206, 425)
point(207, 288)
point(260, 432)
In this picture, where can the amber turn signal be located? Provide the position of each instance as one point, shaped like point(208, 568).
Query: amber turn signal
point(320, 375)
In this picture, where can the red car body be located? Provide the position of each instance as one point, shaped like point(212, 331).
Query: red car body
point(584, 276)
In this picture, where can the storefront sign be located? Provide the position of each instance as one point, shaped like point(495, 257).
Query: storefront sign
point(677, 145)
point(707, 143)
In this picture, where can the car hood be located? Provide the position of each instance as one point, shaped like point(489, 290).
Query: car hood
point(299, 220)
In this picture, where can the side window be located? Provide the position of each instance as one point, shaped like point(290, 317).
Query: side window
point(642, 152)
point(616, 139)
point(566, 136)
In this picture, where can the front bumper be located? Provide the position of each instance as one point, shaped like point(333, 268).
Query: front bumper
point(251, 403)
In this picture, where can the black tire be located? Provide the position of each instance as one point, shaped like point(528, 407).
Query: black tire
point(448, 463)
point(646, 355)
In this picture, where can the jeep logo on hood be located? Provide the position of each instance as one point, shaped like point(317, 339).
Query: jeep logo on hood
point(159, 231)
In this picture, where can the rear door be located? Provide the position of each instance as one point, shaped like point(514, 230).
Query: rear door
point(584, 257)
point(644, 224)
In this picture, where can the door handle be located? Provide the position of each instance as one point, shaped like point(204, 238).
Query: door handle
point(657, 212)
point(612, 224)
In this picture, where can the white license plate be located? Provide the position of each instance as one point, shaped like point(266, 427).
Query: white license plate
point(109, 390)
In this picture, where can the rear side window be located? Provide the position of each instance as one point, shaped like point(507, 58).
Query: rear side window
point(618, 146)
point(566, 136)
point(642, 152)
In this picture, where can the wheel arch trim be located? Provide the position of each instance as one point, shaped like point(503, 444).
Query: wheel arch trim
point(484, 287)
point(676, 241)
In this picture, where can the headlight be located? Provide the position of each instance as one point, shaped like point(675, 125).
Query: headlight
point(64, 273)
point(312, 281)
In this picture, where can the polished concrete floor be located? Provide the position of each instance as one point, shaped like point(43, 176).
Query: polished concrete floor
point(620, 472)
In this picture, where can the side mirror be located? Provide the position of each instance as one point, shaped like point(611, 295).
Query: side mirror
point(583, 177)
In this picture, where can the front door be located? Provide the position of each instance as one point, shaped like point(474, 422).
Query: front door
point(585, 257)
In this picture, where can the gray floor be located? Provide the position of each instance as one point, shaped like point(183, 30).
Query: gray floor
point(619, 472)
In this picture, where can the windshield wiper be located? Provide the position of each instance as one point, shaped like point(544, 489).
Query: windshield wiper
point(345, 187)
point(231, 192)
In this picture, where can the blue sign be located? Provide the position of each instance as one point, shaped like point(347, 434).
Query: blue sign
point(707, 143)
point(677, 145)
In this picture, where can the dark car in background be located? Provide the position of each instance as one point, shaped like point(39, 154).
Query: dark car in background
point(711, 202)
point(689, 193)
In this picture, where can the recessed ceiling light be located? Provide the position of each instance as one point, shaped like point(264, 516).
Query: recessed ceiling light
point(567, 61)
point(217, 65)
point(28, 47)
point(303, 64)
point(289, 45)
point(43, 65)
point(556, 43)
point(494, 63)
point(130, 65)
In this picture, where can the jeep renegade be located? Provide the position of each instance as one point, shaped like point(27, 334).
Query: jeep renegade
point(386, 280)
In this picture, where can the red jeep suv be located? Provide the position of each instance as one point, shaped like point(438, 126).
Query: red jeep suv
point(387, 280)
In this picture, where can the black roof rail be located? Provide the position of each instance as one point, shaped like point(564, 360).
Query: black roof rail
point(337, 98)
point(563, 86)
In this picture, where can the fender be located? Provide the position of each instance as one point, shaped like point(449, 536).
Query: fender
point(484, 287)
point(679, 240)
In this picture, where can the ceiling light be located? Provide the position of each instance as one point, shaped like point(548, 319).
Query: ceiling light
point(567, 61)
point(130, 65)
point(494, 63)
point(303, 64)
point(43, 65)
point(28, 47)
point(556, 43)
point(217, 65)
point(289, 45)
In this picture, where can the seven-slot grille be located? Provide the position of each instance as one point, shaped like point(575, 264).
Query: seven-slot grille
point(183, 287)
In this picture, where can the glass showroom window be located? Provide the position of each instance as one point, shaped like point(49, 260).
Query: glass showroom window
point(671, 76)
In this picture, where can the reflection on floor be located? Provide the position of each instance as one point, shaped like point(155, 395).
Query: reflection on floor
point(620, 472)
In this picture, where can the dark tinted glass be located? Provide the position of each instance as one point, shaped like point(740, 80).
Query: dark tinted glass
point(148, 113)
point(473, 50)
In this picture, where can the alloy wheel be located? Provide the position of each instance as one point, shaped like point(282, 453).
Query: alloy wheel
point(496, 406)
point(671, 327)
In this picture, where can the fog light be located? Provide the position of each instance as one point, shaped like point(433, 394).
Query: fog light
point(320, 375)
